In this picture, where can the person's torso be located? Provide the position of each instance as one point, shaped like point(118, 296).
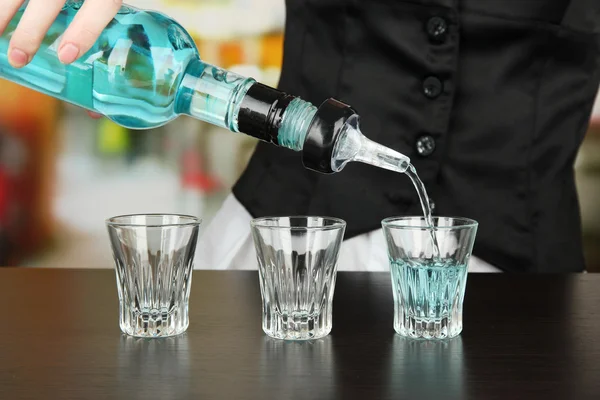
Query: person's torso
point(490, 99)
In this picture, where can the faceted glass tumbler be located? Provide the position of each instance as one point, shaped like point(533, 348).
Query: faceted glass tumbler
point(297, 265)
point(154, 261)
point(429, 286)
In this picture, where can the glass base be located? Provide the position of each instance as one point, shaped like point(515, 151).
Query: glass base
point(153, 323)
point(428, 328)
point(297, 326)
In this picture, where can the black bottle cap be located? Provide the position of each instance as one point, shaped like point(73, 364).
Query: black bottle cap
point(323, 133)
point(261, 112)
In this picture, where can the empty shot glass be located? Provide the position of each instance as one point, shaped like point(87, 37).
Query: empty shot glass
point(297, 265)
point(154, 261)
point(429, 284)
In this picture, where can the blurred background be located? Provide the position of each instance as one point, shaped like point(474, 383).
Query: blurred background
point(62, 174)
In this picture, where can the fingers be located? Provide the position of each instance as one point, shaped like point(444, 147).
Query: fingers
point(7, 12)
point(94, 115)
point(86, 27)
point(32, 28)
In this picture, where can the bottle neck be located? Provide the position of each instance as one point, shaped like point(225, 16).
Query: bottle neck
point(240, 104)
point(275, 117)
point(212, 94)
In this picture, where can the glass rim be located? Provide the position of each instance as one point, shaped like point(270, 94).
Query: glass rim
point(397, 223)
point(338, 223)
point(114, 221)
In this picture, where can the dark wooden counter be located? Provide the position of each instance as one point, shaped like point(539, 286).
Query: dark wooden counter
point(525, 337)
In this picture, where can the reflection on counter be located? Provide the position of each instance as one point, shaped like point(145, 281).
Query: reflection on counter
point(167, 359)
point(283, 362)
point(436, 368)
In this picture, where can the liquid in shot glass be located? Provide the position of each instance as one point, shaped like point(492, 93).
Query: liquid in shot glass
point(429, 279)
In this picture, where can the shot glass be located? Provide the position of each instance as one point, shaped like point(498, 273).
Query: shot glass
point(297, 265)
point(154, 261)
point(429, 268)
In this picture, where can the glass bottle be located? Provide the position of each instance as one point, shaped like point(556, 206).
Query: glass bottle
point(145, 70)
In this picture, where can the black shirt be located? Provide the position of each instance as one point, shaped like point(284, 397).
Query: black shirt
point(489, 98)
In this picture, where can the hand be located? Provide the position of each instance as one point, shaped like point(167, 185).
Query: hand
point(94, 115)
point(81, 35)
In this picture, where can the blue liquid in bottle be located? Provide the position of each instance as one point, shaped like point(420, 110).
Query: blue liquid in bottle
point(145, 70)
point(142, 72)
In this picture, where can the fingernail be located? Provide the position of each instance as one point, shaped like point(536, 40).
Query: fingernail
point(94, 115)
point(68, 53)
point(18, 58)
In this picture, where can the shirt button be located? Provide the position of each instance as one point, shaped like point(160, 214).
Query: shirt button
point(437, 28)
point(425, 145)
point(432, 87)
